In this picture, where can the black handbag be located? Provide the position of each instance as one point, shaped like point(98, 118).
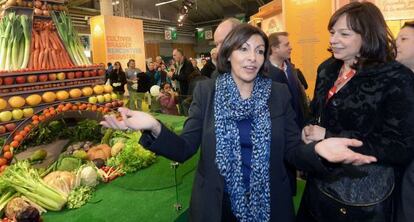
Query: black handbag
point(355, 193)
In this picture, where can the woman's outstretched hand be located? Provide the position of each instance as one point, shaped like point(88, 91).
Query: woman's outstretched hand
point(336, 150)
point(132, 120)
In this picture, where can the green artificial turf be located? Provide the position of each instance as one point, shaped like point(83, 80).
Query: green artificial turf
point(147, 195)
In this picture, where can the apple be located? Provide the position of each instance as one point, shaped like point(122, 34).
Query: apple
point(2, 129)
point(60, 76)
point(78, 74)
point(107, 97)
point(100, 98)
point(5, 116)
point(52, 76)
point(93, 73)
point(1, 81)
point(43, 78)
point(8, 80)
point(92, 99)
point(31, 78)
point(17, 114)
point(86, 74)
point(70, 75)
point(101, 72)
point(114, 96)
point(115, 103)
point(28, 112)
point(10, 127)
point(108, 105)
point(20, 80)
point(121, 103)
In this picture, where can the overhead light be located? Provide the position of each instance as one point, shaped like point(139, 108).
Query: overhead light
point(164, 3)
point(181, 17)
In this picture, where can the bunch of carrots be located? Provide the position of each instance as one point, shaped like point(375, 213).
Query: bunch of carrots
point(48, 51)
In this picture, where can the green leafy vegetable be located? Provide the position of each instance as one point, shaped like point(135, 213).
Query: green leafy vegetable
point(79, 196)
point(133, 156)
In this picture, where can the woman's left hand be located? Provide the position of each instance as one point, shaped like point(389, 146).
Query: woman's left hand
point(336, 150)
point(313, 133)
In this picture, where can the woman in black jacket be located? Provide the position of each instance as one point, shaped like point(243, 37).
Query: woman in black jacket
point(246, 130)
point(118, 79)
point(361, 93)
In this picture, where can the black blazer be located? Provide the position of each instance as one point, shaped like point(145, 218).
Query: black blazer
point(199, 129)
point(183, 75)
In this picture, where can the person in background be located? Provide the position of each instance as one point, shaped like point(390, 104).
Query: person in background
point(405, 55)
point(220, 34)
point(168, 99)
point(405, 45)
point(282, 71)
point(159, 61)
point(210, 66)
point(132, 86)
point(118, 79)
point(162, 76)
point(362, 93)
point(184, 69)
point(203, 62)
point(195, 64)
point(108, 71)
point(152, 73)
point(245, 128)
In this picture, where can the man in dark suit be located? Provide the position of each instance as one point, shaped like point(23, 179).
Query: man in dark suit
point(184, 69)
point(282, 71)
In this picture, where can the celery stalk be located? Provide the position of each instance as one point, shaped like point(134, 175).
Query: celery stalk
point(24, 20)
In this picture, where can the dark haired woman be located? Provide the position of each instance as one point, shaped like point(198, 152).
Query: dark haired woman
point(118, 79)
point(361, 93)
point(246, 130)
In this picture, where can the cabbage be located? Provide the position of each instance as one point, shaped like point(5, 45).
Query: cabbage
point(87, 176)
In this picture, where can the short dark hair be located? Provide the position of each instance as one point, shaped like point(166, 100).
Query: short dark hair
point(109, 64)
point(180, 50)
point(274, 38)
point(234, 40)
point(366, 19)
point(409, 24)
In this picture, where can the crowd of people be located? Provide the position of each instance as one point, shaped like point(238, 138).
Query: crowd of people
point(251, 118)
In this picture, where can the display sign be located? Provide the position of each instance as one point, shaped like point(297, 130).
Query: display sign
point(112, 42)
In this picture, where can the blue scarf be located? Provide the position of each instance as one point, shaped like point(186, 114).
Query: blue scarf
point(229, 108)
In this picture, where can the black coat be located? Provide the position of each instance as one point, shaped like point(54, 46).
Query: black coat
point(199, 129)
point(377, 107)
point(208, 68)
point(183, 75)
point(116, 77)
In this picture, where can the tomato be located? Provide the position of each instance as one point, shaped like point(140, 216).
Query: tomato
point(3, 168)
point(23, 133)
point(14, 144)
point(8, 155)
point(27, 129)
point(35, 117)
point(6, 148)
point(18, 138)
point(3, 161)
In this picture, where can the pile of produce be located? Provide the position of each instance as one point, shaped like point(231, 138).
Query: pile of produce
point(47, 50)
point(14, 41)
point(70, 38)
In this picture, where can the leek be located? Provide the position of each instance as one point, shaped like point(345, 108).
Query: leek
point(27, 181)
point(70, 38)
point(25, 22)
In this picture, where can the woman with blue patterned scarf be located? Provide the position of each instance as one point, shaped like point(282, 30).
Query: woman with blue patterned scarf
point(245, 127)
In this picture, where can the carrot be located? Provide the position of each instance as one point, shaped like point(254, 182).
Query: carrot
point(52, 42)
point(40, 61)
point(36, 59)
point(35, 40)
point(41, 45)
point(55, 59)
point(45, 55)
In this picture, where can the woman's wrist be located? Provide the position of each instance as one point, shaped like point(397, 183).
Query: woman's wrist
point(156, 129)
